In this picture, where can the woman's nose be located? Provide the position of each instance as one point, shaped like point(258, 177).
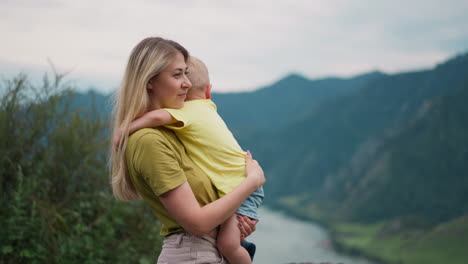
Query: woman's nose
point(187, 84)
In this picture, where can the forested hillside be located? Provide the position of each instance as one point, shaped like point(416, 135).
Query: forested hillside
point(420, 171)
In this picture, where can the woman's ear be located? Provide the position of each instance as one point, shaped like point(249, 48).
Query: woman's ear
point(149, 86)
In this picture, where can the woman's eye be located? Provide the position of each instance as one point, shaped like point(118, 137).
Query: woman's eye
point(187, 73)
point(178, 74)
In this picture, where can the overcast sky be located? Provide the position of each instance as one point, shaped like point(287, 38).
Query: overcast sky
point(245, 43)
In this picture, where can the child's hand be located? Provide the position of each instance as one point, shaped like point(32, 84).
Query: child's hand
point(246, 226)
point(116, 139)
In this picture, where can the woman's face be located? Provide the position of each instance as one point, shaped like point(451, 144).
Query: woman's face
point(169, 88)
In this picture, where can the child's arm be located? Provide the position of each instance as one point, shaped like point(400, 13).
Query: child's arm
point(153, 118)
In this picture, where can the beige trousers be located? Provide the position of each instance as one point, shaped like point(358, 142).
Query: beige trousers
point(184, 248)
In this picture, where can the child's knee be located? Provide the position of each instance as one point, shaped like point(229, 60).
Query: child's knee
point(227, 245)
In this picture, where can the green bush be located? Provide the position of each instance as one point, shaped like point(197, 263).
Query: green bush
point(56, 205)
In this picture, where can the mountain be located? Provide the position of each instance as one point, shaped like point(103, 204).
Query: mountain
point(281, 103)
point(342, 133)
point(420, 171)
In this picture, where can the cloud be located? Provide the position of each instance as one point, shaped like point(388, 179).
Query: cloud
point(245, 44)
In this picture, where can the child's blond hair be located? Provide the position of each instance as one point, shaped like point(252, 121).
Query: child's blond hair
point(198, 74)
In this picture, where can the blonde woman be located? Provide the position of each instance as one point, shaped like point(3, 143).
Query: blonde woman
point(153, 164)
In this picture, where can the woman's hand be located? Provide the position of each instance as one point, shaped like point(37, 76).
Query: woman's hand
point(254, 171)
point(116, 139)
point(246, 226)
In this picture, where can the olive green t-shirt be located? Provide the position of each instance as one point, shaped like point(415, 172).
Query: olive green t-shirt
point(157, 162)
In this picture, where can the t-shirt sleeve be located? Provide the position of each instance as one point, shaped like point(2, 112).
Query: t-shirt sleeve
point(181, 116)
point(156, 161)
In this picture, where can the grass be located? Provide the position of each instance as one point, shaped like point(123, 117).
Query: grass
point(445, 243)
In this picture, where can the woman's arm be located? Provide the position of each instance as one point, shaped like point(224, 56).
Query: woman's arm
point(183, 206)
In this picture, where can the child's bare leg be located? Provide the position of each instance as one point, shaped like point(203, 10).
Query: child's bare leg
point(229, 242)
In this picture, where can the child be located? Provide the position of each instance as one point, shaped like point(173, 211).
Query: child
point(213, 148)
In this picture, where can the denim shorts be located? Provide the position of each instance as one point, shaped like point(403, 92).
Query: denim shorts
point(250, 205)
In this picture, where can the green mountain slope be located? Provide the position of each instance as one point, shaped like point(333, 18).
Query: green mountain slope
point(342, 133)
point(422, 171)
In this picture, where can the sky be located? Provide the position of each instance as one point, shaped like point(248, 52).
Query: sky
point(246, 44)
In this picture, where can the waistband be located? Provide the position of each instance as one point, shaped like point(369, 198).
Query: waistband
point(176, 239)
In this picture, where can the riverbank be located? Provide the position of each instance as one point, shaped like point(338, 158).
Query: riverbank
point(389, 242)
point(311, 214)
point(282, 239)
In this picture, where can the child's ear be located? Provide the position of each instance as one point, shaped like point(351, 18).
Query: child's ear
point(208, 92)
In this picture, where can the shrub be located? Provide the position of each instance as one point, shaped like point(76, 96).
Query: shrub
point(56, 205)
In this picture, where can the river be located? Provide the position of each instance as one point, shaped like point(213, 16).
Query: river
point(283, 239)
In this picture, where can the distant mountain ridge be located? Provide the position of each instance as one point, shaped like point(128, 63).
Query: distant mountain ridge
point(282, 102)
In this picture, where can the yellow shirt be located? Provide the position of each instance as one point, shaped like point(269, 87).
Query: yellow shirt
point(157, 162)
point(210, 143)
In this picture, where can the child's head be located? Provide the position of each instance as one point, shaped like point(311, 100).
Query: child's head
point(199, 78)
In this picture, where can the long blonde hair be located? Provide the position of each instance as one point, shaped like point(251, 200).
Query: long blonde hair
point(146, 61)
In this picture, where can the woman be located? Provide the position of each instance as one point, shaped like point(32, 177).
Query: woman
point(154, 164)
